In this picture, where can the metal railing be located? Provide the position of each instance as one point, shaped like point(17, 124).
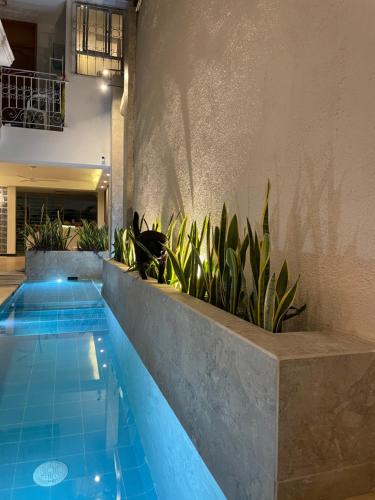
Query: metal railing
point(31, 100)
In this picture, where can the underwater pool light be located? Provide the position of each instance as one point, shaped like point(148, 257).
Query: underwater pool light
point(101, 350)
point(104, 365)
point(97, 478)
point(59, 280)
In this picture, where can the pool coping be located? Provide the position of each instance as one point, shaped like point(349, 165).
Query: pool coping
point(258, 390)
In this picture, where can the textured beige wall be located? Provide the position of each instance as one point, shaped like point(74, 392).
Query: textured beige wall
point(232, 93)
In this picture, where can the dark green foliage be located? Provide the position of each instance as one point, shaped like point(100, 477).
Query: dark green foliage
point(48, 235)
point(92, 237)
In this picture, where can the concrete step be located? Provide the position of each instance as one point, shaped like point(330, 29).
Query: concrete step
point(11, 278)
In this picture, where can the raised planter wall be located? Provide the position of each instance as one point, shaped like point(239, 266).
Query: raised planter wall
point(54, 265)
point(285, 417)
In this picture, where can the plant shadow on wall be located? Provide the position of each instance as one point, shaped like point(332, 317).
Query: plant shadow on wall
point(210, 262)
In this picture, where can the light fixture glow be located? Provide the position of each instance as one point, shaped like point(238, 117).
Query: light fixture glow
point(59, 280)
point(104, 87)
point(104, 365)
point(97, 478)
point(105, 182)
point(102, 350)
point(105, 72)
point(99, 339)
point(107, 175)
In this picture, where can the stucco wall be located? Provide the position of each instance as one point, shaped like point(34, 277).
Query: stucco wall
point(232, 93)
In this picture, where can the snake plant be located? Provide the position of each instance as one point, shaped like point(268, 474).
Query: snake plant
point(92, 237)
point(48, 235)
point(213, 263)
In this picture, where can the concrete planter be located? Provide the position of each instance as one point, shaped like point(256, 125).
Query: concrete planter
point(54, 264)
point(285, 417)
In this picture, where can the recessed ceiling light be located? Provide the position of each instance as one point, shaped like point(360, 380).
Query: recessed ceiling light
point(105, 182)
point(107, 175)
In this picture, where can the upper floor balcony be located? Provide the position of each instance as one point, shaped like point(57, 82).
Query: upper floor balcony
point(32, 99)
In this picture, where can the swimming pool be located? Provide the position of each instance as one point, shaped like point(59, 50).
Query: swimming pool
point(76, 399)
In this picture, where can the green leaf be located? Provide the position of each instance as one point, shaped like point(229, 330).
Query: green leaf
point(231, 259)
point(282, 281)
point(177, 269)
point(265, 221)
point(269, 303)
point(285, 304)
point(233, 236)
point(222, 239)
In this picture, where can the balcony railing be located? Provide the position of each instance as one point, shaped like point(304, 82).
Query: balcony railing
point(31, 100)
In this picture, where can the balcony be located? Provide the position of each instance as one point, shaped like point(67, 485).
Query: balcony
point(32, 100)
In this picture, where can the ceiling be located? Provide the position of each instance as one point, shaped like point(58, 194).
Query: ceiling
point(47, 11)
point(46, 177)
point(36, 11)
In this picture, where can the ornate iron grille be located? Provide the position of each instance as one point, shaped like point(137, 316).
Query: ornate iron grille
point(32, 100)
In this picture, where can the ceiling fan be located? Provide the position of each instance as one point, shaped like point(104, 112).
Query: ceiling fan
point(32, 178)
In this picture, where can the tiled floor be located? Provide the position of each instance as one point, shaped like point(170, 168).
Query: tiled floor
point(12, 263)
point(60, 399)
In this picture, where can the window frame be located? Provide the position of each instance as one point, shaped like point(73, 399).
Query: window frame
point(85, 51)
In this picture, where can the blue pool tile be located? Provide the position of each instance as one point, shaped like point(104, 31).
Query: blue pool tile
point(67, 426)
point(93, 406)
point(40, 449)
point(11, 416)
point(149, 495)
point(10, 434)
point(68, 409)
point(31, 493)
point(100, 462)
point(128, 458)
point(6, 476)
point(38, 413)
point(42, 397)
point(10, 389)
point(127, 436)
point(5, 494)
point(12, 401)
point(107, 488)
point(95, 441)
point(137, 481)
point(36, 430)
point(94, 422)
point(24, 474)
point(67, 397)
point(76, 465)
point(8, 453)
point(67, 445)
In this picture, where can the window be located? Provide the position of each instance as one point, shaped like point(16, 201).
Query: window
point(98, 40)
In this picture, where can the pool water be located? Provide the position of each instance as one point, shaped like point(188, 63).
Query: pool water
point(73, 390)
